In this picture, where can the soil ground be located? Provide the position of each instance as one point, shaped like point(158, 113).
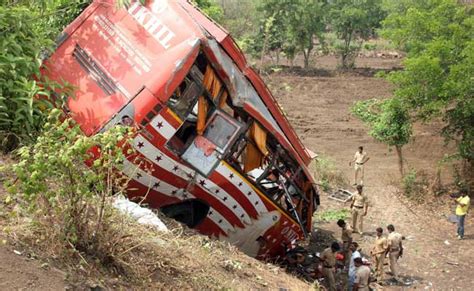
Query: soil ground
point(319, 109)
point(20, 273)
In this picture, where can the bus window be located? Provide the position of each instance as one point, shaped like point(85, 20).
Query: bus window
point(184, 98)
point(221, 131)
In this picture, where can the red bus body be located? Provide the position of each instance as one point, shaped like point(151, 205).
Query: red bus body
point(151, 66)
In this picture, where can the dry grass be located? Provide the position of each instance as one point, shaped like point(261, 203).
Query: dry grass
point(135, 255)
point(327, 175)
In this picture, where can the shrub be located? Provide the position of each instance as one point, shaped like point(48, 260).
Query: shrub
point(415, 184)
point(327, 174)
point(21, 46)
point(70, 204)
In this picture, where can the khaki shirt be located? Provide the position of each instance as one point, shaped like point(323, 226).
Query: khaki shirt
point(329, 258)
point(380, 246)
point(362, 277)
point(346, 235)
point(359, 200)
point(394, 241)
point(360, 157)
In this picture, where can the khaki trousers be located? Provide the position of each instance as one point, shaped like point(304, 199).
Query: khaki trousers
point(379, 259)
point(357, 219)
point(347, 253)
point(393, 259)
point(359, 174)
point(330, 277)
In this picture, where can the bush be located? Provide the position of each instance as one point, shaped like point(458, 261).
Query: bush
point(27, 30)
point(327, 175)
point(70, 204)
point(415, 184)
point(21, 46)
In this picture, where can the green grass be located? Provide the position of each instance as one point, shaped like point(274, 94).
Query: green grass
point(331, 215)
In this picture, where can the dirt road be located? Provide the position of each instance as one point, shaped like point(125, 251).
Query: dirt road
point(318, 108)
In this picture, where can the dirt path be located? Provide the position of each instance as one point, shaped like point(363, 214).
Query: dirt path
point(318, 107)
point(19, 273)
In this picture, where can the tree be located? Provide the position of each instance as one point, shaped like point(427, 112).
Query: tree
point(353, 22)
point(241, 17)
point(389, 122)
point(306, 25)
point(295, 26)
point(437, 80)
point(211, 8)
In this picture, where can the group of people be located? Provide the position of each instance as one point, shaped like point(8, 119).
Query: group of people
point(384, 247)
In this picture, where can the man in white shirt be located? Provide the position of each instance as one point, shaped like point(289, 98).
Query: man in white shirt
point(360, 158)
point(352, 268)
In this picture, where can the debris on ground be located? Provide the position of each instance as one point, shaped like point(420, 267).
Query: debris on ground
point(341, 195)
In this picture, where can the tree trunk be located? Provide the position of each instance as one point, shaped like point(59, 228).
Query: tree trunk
point(307, 52)
point(264, 48)
point(398, 149)
point(306, 59)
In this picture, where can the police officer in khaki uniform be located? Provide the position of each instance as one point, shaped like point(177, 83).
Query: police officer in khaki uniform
point(328, 258)
point(395, 249)
point(362, 275)
point(360, 158)
point(346, 237)
point(378, 253)
point(359, 206)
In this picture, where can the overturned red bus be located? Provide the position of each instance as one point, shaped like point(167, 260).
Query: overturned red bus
point(224, 159)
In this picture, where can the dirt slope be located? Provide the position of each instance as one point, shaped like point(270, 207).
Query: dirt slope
point(318, 107)
point(20, 273)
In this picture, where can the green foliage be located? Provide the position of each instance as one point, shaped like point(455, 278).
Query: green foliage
point(415, 184)
point(353, 22)
point(21, 47)
point(305, 23)
point(56, 185)
point(26, 32)
point(438, 77)
point(241, 19)
point(326, 172)
point(211, 8)
point(389, 120)
point(292, 26)
point(331, 215)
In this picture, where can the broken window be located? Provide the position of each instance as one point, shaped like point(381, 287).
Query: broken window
point(221, 130)
point(207, 132)
point(185, 96)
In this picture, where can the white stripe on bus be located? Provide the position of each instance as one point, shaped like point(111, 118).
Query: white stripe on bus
point(227, 199)
point(162, 126)
point(243, 186)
